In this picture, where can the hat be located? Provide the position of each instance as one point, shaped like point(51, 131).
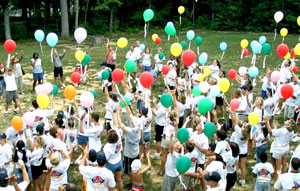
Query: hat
point(114, 97)
point(3, 176)
point(40, 128)
point(77, 65)
point(60, 114)
point(213, 176)
point(136, 165)
point(54, 160)
point(244, 87)
point(92, 155)
point(9, 69)
point(2, 136)
point(101, 156)
point(224, 72)
point(102, 64)
point(144, 110)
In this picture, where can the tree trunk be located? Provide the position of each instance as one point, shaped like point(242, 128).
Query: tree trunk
point(6, 22)
point(55, 12)
point(111, 19)
point(76, 13)
point(86, 11)
point(24, 9)
point(64, 18)
point(47, 9)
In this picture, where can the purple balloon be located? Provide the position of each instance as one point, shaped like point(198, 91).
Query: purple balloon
point(39, 89)
point(80, 35)
point(47, 88)
point(87, 99)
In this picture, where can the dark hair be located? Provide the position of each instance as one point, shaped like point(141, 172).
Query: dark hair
point(133, 89)
point(71, 123)
point(296, 163)
point(221, 134)
point(265, 131)
point(112, 137)
point(101, 162)
point(212, 146)
point(218, 63)
point(53, 132)
point(59, 122)
point(250, 87)
point(270, 91)
point(235, 149)
point(263, 157)
point(33, 56)
point(20, 146)
point(35, 104)
point(189, 147)
point(95, 116)
point(72, 111)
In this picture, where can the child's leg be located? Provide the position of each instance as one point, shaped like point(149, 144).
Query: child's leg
point(211, 158)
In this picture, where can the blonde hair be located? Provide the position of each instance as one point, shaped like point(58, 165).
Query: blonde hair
point(246, 131)
point(196, 122)
point(40, 141)
point(291, 125)
point(173, 115)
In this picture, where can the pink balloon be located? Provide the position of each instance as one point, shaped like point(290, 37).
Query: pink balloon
point(39, 89)
point(275, 76)
point(47, 88)
point(87, 99)
point(80, 35)
point(28, 118)
point(242, 70)
point(234, 104)
point(278, 92)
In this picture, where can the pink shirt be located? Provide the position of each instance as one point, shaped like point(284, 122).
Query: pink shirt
point(109, 57)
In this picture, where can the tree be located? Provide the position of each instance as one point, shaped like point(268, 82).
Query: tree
point(6, 20)
point(64, 18)
point(76, 13)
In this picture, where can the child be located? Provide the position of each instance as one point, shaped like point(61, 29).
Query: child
point(58, 69)
point(212, 181)
point(146, 64)
point(155, 74)
point(231, 166)
point(188, 181)
point(5, 154)
point(264, 172)
point(18, 71)
point(99, 76)
point(71, 134)
point(78, 70)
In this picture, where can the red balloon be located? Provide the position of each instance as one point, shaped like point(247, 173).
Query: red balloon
point(287, 91)
point(293, 53)
point(75, 77)
point(158, 40)
point(146, 79)
point(117, 75)
point(282, 50)
point(246, 52)
point(165, 70)
point(10, 46)
point(188, 57)
point(234, 104)
point(232, 74)
point(294, 68)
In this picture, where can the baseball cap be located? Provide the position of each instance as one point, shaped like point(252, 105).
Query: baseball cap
point(54, 160)
point(77, 65)
point(40, 128)
point(136, 165)
point(114, 97)
point(144, 110)
point(101, 156)
point(3, 176)
point(213, 176)
point(9, 69)
point(102, 64)
point(92, 155)
point(60, 114)
point(244, 87)
point(2, 136)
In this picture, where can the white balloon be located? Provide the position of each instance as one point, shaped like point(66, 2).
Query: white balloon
point(242, 70)
point(278, 16)
point(214, 90)
point(204, 86)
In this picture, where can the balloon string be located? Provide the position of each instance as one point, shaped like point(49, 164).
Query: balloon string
point(242, 53)
point(253, 59)
point(116, 49)
point(275, 33)
point(299, 38)
point(116, 86)
point(168, 37)
point(129, 83)
point(51, 54)
point(198, 50)
point(275, 109)
point(180, 19)
point(177, 38)
point(222, 55)
point(41, 48)
point(180, 179)
point(88, 119)
point(69, 111)
point(145, 30)
point(254, 82)
point(189, 45)
point(264, 63)
point(8, 60)
point(282, 40)
point(80, 68)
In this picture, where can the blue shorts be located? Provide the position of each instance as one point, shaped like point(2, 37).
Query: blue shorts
point(146, 68)
point(38, 76)
point(19, 173)
point(147, 137)
point(82, 140)
point(264, 94)
point(140, 104)
point(115, 167)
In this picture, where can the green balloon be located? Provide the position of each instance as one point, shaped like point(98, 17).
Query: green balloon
point(105, 74)
point(161, 56)
point(196, 91)
point(55, 90)
point(127, 100)
point(183, 164)
point(183, 135)
point(148, 15)
point(204, 105)
point(166, 100)
point(184, 45)
point(170, 30)
point(266, 49)
point(198, 40)
point(94, 93)
point(86, 60)
point(209, 129)
point(130, 66)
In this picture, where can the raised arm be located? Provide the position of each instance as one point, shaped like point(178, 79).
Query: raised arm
point(233, 117)
point(121, 125)
point(148, 164)
point(106, 93)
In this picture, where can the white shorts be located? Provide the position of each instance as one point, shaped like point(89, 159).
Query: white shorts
point(158, 67)
point(279, 156)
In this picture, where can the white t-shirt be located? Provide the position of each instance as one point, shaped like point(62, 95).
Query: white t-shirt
point(71, 137)
point(58, 173)
point(171, 74)
point(113, 152)
point(111, 104)
point(58, 144)
point(23, 185)
point(288, 181)
point(193, 156)
point(195, 79)
point(157, 60)
point(41, 116)
point(132, 55)
point(263, 172)
point(244, 104)
point(180, 108)
point(214, 71)
point(18, 70)
point(269, 106)
point(10, 81)
point(224, 149)
point(181, 82)
point(147, 121)
point(36, 157)
point(94, 133)
point(138, 52)
point(171, 164)
point(160, 115)
point(202, 141)
point(219, 167)
point(282, 138)
point(295, 155)
point(5, 154)
point(146, 59)
point(265, 84)
point(232, 164)
point(292, 101)
point(37, 68)
point(243, 144)
point(167, 131)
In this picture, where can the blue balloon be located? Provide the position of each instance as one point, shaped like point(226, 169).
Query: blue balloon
point(52, 39)
point(253, 71)
point(262, 40)
point(256, 47)
point(170, 23)
point(142, 47)
point(252, 43)
point(190, 35)
point(203, 58)
point(39, 35)
point(223, 46)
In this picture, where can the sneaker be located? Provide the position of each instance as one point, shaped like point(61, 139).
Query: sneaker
point(22, 93)
point(149, 171)
point(156, 156)
point(16, 111)
point(296, 139)
point(63, 86)
point(242, 183)
point(6, 114)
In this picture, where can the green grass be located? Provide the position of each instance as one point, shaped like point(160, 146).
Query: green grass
point(210, 44)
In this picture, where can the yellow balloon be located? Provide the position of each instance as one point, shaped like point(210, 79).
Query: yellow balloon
point(201, 77)
point(206, 71)
point(298, 20)
point(43, 100)
point(253, 118)
point(244, 43)
point(283, 32)
point(297, 49)
point(122, 42)
point(181, 9)
point(287, 56)
point(154, 36)
point(79, 55)
point(176, 49)
point(224, 85)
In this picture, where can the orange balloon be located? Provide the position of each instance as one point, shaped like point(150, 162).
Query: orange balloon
point(17, 123)
point(70, 92)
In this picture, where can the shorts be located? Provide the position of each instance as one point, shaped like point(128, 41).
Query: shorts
point(279, 156)
point(147, 137)
point(82, 140)
point(127, 164)
point(264, 94)
point(36, 171)
point(107, 125)
point(140, 104)
point(11, 96)
point(219, 101)
point(180, 124)
point(158, 67)
point(145, 68)
point(136, 187)
point(158, 132)
point(169, 183)
point(114, 167)
point(231, 179)
point(188, 181)
point(243, 155)
point(165, 143)
point(109, 89)
point(58, 71)
point(199, 165)
point(38, 76)
point(289, 112)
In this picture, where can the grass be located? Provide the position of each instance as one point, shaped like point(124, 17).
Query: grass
point(210, 44)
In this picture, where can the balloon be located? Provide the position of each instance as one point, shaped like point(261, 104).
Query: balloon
point(190, 35)
point(203, 58)
point(253, 71)
point(122, 42)
point(182, 135)
point(79, 55)
point(10, 45)
point(196, 91)
point(51, 39)
point(38, 89)
point(183, 164)
point(287, 56)
point(54, 90)
point(297, 49)
point(242, 70)
point(17, 123)
point(75, 77)
point(154, 36)
point(43, 100)
point(70, 92)
point(201, 77)
point(94, 94)
point(176, 49)
point(39, 35)
point(165, 70)
point(266, 49)
point(158, 40)
point(232, 74)
point(283, 32)
point(223, 46)
point(28, 118)
point(206, 71)
point(204, 105)
point(275, 76)
point(256, 47)
point(170, 30)
point(262, 40)
point(146, 79)
point(253, 118)
point(184, 45)
point(298, 20)
point(278, 91)
point(282, 50)
point(127, 101)
point(293, 53)
point(166, 100)
point(80, 35)
point(198, 40)
point(161, 55)
point(287, 91)
point(170, 23)
point(209, 129)
point(234, 104)
point(204, 86)
point(278, 16)
point(130, 66)
point(142, 46)
point(244, 43)
point(224, 85)
point(214, 90)
point(87, 99)
point(117, 75)
point(148, 15)
point(181, 10)
point(246, 52)
point(294, 68)
point(105, 74)
point(86, 60)
point(47, 88)
point(188, 57)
